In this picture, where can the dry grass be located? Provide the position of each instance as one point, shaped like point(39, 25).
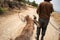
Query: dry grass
point(56, 17)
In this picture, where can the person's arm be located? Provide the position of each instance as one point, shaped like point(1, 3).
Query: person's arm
point(52, 10)
point(39, 9)
point(37, 23)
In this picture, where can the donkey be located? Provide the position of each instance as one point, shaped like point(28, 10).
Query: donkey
point(27, 31)
point(59, 36)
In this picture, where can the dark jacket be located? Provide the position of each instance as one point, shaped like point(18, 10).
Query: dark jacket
point(44, 10)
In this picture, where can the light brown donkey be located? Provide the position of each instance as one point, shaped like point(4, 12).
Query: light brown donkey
point(27, 32)
point(59, 36)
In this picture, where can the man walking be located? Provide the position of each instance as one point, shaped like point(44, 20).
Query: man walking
point(44, 11)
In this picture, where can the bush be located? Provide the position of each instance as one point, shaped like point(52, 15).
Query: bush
point(21, 1)
point(34, 4)
point(1, 10)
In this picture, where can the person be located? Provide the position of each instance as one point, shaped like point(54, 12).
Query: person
point(44, 11)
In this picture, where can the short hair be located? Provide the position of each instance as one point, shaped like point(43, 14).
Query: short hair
point(47, 0)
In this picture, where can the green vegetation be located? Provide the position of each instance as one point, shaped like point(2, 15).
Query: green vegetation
point(21, 0)
point(34, 4)
point(14, 4)
point(1, 10)
point(30, 3)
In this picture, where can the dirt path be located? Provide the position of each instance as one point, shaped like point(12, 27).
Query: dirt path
point(11, 26)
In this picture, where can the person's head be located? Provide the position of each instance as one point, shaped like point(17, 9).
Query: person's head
point(48, 0)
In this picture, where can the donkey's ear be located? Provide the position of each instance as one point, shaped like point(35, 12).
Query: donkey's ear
point(34, 16)
point(26, 17)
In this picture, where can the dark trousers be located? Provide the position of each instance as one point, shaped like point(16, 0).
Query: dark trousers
point(43, 25)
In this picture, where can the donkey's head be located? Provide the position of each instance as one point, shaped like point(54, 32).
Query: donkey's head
point(27, 18)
